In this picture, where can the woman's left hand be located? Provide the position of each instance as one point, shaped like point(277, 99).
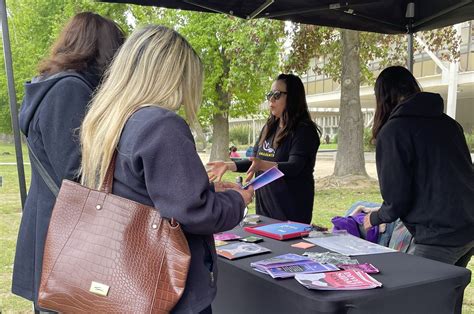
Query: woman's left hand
point(367, 224)
point(222, 186)
point(258, 165)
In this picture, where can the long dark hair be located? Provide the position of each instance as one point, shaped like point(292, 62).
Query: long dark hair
point(87, 43)
point(393, 85)
point(296, 111)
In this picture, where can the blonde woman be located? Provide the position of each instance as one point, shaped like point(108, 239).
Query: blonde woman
point(134, 113)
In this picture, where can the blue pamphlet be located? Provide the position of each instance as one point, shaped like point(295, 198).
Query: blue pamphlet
point(267, 177)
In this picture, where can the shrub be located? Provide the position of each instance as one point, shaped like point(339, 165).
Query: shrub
point(368, 145)
point(470, 141)
point(239, 135)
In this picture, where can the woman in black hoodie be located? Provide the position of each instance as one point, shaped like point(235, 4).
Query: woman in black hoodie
point(53, 108)
point(425, 169)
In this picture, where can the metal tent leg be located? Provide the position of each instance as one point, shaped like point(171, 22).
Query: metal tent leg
point(12, 96)
point(410, 60)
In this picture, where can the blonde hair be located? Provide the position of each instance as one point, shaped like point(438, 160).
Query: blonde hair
point(156, 66)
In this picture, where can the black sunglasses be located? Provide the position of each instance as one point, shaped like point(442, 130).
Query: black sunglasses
point(275, 94)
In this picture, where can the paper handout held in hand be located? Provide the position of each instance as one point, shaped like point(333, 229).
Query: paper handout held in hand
point(265, 178)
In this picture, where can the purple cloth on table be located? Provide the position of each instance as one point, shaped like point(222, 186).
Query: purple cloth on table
point(355, 226)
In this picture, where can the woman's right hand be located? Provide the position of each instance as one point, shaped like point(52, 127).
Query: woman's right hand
point(216, 169)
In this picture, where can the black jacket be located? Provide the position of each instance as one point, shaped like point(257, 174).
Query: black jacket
point(52, 110)
point(290, 197)
point(426, 173)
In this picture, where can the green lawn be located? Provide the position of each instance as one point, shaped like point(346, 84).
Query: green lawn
point(328, 203)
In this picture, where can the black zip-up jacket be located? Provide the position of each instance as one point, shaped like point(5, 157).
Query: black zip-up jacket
point(426, 173)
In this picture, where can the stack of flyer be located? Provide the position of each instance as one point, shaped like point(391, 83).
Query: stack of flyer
point(287, 265)
point(351, 279)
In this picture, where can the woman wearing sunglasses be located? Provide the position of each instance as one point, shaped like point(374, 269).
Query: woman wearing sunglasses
point(288, 140)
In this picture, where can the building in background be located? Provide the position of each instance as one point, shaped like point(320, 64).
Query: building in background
point(323, 94)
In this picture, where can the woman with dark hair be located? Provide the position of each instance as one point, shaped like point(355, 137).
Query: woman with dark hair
point(53, 108)
point(425, 169)
point(290, 141)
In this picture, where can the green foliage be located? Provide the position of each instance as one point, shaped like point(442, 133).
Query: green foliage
point(5, 120)
point(240, 57)
point(310, 41)
point(33, 26)
point(470, 141)
point(368, 144)
point(239, 135)
point(328, 146)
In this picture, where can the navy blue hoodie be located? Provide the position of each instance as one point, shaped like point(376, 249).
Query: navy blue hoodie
point(426, 173)
point(51, 112)
point(157, 165)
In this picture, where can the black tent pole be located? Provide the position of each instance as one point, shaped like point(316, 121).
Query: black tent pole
point(410, 60)
point(410, 15)
point(12, 95)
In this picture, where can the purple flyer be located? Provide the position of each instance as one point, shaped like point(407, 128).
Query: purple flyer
point(226, 236)
point(268, 176)
point(366, 267)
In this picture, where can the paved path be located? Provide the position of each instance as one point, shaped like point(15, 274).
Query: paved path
point(325, 163)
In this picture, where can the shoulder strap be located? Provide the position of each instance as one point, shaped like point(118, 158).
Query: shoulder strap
point(53, 187)
point(109, 175)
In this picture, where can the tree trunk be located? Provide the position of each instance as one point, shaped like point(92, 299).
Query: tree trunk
point(350, 140)
point(220, 123)
point(220, 137)
point(200, 137)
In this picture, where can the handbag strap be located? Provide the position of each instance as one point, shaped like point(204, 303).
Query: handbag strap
point(53, 187)
point(109, 179)
point(109, 175)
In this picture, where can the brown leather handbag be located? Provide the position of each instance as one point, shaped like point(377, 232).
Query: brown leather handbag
point(105, 253)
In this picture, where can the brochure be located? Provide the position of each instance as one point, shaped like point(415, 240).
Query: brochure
point(280, 259)
point(285, 266)
point(220, 243)
point(240, 249)
point(303, 245)
point(281, 230)
point(302, 267)
point(351, 279)
point(366, 267)
point(226, 236)
point(349, 245)
point(265, 178)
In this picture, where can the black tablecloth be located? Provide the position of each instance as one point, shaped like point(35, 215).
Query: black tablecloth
point(411, 284)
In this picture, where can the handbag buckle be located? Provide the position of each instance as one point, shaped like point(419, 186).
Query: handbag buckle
point(99, 288)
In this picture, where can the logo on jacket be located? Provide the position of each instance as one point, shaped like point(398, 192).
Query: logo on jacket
point(267, 148)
